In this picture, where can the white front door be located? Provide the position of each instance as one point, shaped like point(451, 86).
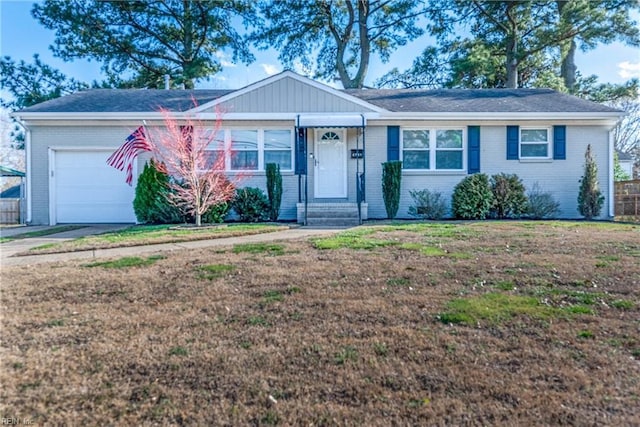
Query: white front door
point(330, 160)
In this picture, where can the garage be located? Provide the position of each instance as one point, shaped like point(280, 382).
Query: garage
point(87, 190)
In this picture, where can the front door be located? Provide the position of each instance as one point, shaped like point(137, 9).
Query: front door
point(330, 164)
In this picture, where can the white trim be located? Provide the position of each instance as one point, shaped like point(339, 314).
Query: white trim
point(611, 175)
point(550, 137)
point(52, 186)
point(281, 76)
point(608, 119)
point(28, 163)
point(433, 149)
point(316, 182)
point(325, 120)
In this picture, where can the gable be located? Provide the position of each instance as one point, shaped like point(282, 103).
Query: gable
point(288, 94)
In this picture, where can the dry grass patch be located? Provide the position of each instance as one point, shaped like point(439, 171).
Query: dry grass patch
point(351, 335)
point(154, 234)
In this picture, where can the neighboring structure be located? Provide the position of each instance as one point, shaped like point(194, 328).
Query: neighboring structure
point(626, 163)
point(12, 206)
point(329, 143)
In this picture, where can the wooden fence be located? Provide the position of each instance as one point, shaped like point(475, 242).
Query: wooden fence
point(9, 211)
point(627, 200)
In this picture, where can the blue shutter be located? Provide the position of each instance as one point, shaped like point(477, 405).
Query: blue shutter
point(301, 151)
point(393, 143)
point(473, 140)
point(513, 140)
point(560, 142)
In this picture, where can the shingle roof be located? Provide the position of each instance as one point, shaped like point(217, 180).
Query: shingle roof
point(127, 101)
point(394, 100)
point(478, 101)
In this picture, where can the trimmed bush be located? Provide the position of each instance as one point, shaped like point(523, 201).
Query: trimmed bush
point(151, 203)
point(391, 179)
point(509, 198)
point(427, 204)
point(590, 198)
point(541, 204)
point(274, 190)
point(472, 197)
point(251, 204)
point(217, 213)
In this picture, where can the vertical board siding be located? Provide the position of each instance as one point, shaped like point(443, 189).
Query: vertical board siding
point(290, 96)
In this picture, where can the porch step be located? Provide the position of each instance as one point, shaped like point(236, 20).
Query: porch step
point(331, 214)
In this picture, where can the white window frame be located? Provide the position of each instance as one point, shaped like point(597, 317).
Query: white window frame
point(433, 149)
point(261, 149)
point(548, 143)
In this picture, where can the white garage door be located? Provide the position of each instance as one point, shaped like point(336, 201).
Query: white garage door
point(87, 190)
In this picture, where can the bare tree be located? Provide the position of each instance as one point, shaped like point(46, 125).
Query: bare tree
point(199, 181)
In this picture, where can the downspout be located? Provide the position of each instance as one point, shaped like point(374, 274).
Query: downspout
point(611, 175)
point(358, 179)
point(27, 165)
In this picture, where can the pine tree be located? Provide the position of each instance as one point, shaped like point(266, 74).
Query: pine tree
point(151, 204)
point(590, 198)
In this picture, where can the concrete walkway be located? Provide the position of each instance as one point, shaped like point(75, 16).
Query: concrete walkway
point(9, 249)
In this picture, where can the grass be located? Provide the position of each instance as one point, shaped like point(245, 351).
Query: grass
point(155, 234)
point(214, 271)
point(126, 262)
point(530, 330)
point(259, 248)
point(494, 308)
point(45, 232)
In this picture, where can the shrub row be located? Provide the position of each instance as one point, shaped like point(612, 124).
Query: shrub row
point(479, 197)
point(152, 203)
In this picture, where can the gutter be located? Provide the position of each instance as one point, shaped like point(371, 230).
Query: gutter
point(27, 165)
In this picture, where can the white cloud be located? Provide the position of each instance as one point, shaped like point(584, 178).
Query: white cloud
point(629, 70)
point(270, 69)
point(224, 59)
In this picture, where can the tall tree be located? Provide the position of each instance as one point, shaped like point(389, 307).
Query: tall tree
point(338, 36)
point(589, 22)
point(520, 43)
point(28, 84)
point(148, 39)
point(32, 83)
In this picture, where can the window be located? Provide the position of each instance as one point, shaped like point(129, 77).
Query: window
point(415, 149)
point(244, 150)
point(433, 149)
point(215, 149)
point(249, 149)
point(534, 143)
point(277, 148)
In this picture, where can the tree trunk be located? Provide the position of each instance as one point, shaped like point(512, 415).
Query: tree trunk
point(568, 68)
point(512, 62)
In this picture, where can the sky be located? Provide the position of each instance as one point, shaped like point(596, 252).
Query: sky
point(21, 36)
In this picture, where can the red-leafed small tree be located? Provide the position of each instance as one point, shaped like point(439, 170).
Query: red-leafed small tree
point(194, 156)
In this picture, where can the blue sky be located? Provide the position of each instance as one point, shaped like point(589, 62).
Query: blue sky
point(21, 36)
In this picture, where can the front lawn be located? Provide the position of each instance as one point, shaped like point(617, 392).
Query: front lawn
point(154, 234)
point(487, 323)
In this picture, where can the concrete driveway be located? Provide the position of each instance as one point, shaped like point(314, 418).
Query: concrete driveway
point(7, 250)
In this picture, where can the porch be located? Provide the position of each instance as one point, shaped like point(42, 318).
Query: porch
point(331, 169)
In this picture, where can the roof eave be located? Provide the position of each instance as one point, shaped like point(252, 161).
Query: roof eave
point(466, 116)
